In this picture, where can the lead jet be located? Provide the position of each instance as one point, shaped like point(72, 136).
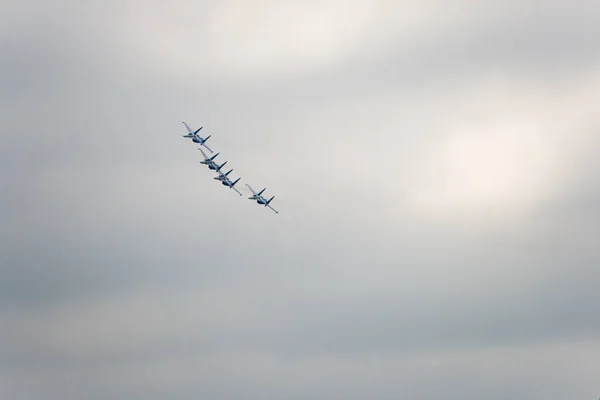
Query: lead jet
point(195, 137)
point(261, 200)
point(210, 161)
point(227, 182)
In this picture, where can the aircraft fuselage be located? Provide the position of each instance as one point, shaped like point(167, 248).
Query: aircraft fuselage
point(259, 199)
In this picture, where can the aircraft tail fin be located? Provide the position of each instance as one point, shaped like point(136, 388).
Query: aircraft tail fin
point(236, 181)
point(228, 172)
point(268, 201)
point(261, 192)
point(215, 156)
point(221, 166)
point(198, 130)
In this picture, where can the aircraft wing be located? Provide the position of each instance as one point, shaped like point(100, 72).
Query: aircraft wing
point(203, 153)
point(276, 212)
point(252, 190)
point(207, 148)
point(188, 127)
point(237, 191)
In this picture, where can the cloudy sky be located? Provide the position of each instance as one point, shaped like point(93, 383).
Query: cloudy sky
point(435, 165)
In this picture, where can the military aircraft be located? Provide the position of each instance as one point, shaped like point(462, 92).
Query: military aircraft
point(222, 176)
point(210, 161)
point(261, 200)
point(227, 182)
point(195, 137)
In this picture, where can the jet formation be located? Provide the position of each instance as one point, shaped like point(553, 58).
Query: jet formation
point(222, 177)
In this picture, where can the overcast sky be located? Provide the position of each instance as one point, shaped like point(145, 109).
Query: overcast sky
point(435, 164)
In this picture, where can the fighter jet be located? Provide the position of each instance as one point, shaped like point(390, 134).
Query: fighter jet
point(227, 182)
point(210, 161)
point(222, 176)
point(195, 137)
point(261, 200)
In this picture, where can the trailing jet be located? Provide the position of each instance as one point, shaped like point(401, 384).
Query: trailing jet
point(227, 182)
point(261, 200)
point(195, 137)
point(210, 161)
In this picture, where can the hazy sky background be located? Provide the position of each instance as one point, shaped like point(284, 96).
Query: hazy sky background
point(436, 171)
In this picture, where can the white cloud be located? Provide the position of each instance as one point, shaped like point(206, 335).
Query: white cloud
point(238, 39)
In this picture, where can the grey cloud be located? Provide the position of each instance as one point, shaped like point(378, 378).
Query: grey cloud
point(126, 273)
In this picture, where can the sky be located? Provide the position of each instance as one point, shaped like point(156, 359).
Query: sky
point(435, 165)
